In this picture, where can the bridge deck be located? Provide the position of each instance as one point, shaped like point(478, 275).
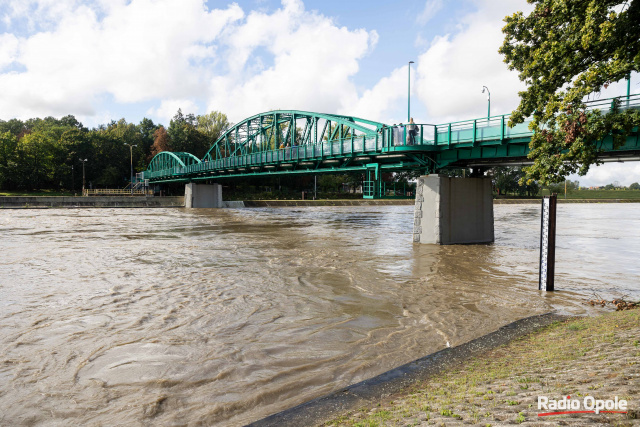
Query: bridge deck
point(359, 145)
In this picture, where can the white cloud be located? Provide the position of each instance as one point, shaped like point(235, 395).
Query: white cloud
point(8, 49)
point(608, 173)
point(381, 103)
point(431, 8)
point(139, 50)
point(313, 62)
point(80, 53)
point(169, 107)
point(453, 70)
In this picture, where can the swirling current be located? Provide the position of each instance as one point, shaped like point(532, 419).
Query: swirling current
point(222, 317)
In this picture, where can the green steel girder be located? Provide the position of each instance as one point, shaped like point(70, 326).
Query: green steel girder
point(329, 143)
point(244, 133)
point(169, 160)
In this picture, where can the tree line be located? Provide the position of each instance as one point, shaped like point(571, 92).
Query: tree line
point(48, 153)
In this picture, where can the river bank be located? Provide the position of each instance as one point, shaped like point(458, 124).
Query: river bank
point(593, 356)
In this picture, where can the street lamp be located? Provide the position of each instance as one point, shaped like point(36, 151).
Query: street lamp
point(131, 151)
point(409, 94)
point(488, 101)
point(83, 162)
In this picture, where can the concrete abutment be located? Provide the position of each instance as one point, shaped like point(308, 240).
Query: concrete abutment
point(453, 210)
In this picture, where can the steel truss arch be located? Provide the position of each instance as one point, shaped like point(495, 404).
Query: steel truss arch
point(170, 160)
point(275, 129)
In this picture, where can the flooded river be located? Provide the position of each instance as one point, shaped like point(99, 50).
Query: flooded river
point(221, 317)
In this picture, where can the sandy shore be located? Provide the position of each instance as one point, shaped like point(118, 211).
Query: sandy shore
point(597, 356)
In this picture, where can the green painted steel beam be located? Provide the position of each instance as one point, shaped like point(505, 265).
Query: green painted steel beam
point(344, 141)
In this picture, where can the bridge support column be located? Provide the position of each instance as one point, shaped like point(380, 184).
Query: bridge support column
point(202, 195)
point(453, 210)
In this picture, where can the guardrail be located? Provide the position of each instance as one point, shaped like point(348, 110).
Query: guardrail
point(115, 192)
point(466, 133)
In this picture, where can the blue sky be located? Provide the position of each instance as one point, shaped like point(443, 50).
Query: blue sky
point(103, 60)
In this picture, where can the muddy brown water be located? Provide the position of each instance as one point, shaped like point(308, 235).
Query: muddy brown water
point(222, 317)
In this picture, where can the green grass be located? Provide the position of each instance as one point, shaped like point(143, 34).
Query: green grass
point(598, 194)
point(501, 372)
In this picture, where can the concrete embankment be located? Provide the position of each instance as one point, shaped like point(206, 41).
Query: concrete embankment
point(344, 202)
point(30, 202)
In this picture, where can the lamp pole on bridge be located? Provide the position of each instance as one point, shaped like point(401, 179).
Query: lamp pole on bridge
point(488, 101)
point(131, 151)
point(409, 94)
point(83, 162)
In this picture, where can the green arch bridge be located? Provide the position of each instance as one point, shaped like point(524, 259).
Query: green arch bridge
point(299, 142)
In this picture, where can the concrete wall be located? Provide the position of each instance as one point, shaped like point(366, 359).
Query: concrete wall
point(203, 195)
point(453, 210)
point(89, 202)
point(326, 202)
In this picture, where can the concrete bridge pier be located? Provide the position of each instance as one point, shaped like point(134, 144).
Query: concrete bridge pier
point(452, 211)
point(202, 195)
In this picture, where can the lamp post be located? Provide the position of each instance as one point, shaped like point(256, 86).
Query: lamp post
point(488, 101)
point(409, 94)
point(73, 180)
point(131, 151)
point(83, 162)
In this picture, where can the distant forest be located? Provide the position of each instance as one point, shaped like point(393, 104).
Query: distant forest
point(47, 154)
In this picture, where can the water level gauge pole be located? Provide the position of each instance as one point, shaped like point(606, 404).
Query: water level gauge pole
point(548, 243)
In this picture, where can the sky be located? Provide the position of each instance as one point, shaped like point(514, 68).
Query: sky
point(104, 60)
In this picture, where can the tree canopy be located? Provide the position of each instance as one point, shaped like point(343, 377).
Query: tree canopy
point(566, 51)
point(46, 153)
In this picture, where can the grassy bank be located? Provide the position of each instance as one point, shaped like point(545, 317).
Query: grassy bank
point(597, 356)
point(598, 194)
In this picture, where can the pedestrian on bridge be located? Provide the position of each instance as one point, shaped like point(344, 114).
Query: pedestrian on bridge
point(412, 130)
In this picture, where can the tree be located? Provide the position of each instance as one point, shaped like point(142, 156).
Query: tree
point(213, 125)
point(185, 136)
point(508, 179)
point(634, 186)
point(160, 142)
point(146, 128)
point(8, 146)
point(565, 51)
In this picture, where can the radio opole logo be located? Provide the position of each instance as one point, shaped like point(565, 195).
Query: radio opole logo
point(587, 405)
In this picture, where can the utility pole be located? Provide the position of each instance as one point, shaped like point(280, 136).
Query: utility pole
point(131, 151)
point(83, 162)
point(409, 95)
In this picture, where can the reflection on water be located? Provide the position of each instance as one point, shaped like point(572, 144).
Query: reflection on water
point(225, 316)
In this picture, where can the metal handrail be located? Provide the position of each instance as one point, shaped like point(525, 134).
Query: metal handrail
point(493, 128)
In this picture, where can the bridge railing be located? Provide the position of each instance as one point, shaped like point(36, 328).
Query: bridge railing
point(466, 133)
point(493, 128)
point(463, 132)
